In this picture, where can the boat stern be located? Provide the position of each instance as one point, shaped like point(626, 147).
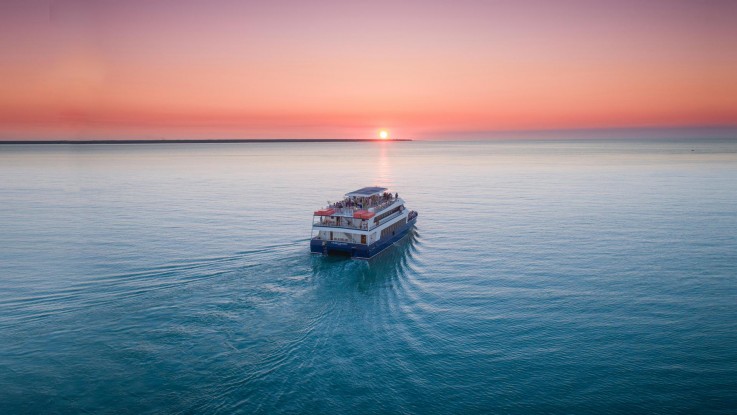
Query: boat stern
point(322, 247)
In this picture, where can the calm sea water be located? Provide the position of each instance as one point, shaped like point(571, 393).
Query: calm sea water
point(543, 277)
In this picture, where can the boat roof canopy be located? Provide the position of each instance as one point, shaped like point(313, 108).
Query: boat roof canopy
point(366, 192)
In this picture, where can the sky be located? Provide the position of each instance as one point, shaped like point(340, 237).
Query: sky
point(347, 69)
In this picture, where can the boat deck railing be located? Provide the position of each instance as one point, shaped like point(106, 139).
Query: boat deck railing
point(334, 224)
point(348, 206)
point(335, 239)
point(350, 210)
point(365, 226)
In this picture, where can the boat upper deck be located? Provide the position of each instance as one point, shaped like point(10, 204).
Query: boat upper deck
point(370, 200)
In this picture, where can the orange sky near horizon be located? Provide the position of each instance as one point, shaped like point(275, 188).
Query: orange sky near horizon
point(331, 69)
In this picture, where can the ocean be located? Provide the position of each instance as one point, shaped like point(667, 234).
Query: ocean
point(582, 276)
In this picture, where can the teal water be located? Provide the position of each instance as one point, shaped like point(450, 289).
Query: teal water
point(542, 277)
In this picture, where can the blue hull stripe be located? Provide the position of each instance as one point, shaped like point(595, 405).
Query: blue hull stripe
point(318, 246)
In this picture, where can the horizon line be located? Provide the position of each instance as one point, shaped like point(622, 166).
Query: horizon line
point(205, 141)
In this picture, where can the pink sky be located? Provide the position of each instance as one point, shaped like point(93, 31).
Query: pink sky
point(338, 69)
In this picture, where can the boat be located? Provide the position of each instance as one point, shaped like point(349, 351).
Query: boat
point(361, 225)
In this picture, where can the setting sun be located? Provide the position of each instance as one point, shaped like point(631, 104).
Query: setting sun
point(383, 134)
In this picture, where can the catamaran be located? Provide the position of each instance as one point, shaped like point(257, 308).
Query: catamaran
point(363, 224)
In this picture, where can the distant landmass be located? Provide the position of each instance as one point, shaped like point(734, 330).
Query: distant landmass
point(235, 140)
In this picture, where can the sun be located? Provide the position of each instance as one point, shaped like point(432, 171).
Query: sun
point(383, 134)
